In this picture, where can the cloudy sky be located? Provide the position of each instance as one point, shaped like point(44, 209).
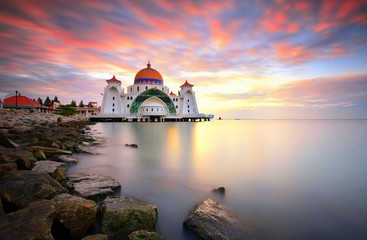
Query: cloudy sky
point(246, 58)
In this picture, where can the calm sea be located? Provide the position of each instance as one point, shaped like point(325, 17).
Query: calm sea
point(305, 178)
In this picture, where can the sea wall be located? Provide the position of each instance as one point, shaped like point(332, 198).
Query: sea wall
point(38, 198)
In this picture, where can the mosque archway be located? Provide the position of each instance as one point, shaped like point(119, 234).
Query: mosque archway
point(156, 97)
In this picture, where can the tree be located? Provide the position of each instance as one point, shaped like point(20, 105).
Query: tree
point(68, 110)
point(39, 100)
point(73, 103)
point(56, 99)
point(81, 104)
point(47, 102)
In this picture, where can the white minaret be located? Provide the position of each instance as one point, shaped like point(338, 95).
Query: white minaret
point(112, 103)
point(188, 104)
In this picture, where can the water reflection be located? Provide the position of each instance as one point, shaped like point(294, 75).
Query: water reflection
point(306, 178)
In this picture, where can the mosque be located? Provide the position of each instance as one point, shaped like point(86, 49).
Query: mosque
point(148, 100)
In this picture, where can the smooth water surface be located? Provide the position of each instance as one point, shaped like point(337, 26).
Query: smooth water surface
point(305, 178)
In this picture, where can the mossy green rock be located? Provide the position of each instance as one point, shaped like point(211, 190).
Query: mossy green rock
point(32, 222)
point(21, 188)
point(75, 213)
point(144, 235)
point(123, 215)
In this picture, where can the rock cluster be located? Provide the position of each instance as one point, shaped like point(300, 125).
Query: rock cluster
point(39, 200)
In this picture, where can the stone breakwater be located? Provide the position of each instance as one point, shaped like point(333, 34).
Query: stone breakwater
point(40, 200)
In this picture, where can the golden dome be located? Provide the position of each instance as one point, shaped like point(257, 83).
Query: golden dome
point(148, 75)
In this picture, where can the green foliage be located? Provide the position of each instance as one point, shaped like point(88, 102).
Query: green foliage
point(40, 101)
point(81, 104)
point(68, 110)
point(47, 102)
point(73, 103)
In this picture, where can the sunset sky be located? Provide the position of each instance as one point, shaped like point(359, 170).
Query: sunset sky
point(246, 58)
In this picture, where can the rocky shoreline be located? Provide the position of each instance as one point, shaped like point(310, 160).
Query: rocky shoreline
point(40, 200)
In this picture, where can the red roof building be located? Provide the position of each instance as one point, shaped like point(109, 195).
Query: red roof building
point(113, 79)
point(186, 84)
point(20, 102)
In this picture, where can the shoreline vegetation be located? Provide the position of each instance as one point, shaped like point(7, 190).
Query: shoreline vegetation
point(40, 200)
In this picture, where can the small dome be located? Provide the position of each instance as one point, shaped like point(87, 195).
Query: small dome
point(148, 76)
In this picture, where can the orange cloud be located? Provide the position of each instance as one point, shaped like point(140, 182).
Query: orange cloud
point(289, 53)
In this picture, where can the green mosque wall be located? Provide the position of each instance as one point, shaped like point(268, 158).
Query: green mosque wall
point(153, 92)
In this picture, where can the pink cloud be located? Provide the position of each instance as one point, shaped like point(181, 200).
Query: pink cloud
point(289, 53)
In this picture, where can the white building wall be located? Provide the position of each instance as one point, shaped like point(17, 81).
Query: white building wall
point(112, 102)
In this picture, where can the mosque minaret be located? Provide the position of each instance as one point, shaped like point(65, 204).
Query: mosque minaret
point(148, 100)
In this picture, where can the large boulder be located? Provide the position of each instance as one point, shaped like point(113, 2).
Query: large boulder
point(32, 222)
point(68, 160)
point(144, 235)
point(93, 186)
point(50, 152)
point(123, 215)
point(215, 221)
point(75, 213)
point(20, 188)
point(7, 167)
point(23, 158)
point(56, 170)
point(6, 142)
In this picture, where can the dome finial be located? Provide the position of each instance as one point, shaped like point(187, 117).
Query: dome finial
point(148, 65)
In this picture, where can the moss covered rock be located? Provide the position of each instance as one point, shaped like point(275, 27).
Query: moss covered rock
point(123, 215)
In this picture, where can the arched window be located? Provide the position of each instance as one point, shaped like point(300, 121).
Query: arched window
point(113, 104)
point(113, 110)
point(128, 105)
point(137, 89)
point(113, 98)
point(188, 100)
point(131, 98)
point(176, 106)
point(188, 106)
point(146, 87)
point(188, 110)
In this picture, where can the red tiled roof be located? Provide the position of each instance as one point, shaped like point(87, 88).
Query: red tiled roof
point(113, 79)
point(21, 101)
point(186, 84)
point(172, 94)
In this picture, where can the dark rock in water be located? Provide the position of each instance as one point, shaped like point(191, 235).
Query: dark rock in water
point(6, 142)
point(123, 215)
point(32, 222)
point(7, 167)
point(75, 213)
point(93, 186)
point(83, 149)
point(21, 188)
point(144, 235)
point(220, 190)
point(50, 152)
point(56, 170)
point(68, 160)
point(215, 221)
point(96, 237)
point(133, 145)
